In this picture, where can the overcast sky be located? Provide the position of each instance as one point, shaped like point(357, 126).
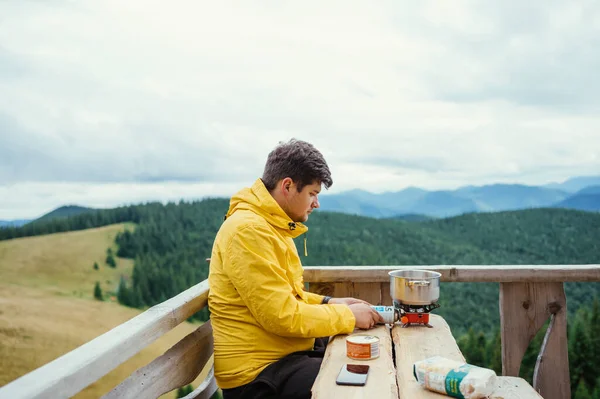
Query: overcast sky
point(105, 103)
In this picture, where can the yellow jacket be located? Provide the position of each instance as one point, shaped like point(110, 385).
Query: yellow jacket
point(259, 309)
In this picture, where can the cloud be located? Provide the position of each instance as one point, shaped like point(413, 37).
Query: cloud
point(149, 94)
point(533, 53)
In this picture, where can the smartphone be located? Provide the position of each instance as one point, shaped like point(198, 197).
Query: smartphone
point(353, 374)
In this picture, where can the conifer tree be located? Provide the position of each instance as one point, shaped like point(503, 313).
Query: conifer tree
point(123, 294)
point(579, 350)
point(593, 328)
point(98, 292)
point(183, 391)
point(582, 391)
point(596, 392)
point(110, 259)
point(494, 353)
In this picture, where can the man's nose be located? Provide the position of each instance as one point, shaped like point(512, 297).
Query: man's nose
point(316, 203)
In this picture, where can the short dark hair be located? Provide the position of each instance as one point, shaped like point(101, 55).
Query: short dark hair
point(298, 160)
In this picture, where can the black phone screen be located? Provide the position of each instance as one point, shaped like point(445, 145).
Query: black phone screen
point(353, 374)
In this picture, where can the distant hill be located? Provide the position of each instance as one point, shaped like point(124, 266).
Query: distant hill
point(360, 202)
point(64, 211)
point(586, 199)
point(590, 190)
point(508, 197)
point(76, 221)
point(13, 223)
point(576, 183)
point(583, 202)
point(443, 203)
point(412, 217)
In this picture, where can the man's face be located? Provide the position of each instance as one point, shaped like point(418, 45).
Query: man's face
point(300, 204)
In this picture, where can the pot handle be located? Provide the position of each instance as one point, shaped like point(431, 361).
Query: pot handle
point(419, 283)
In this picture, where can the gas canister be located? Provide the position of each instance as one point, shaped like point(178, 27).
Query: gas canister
point(389, 314)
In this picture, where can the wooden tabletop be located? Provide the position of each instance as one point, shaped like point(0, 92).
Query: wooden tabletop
point(381, 381)
point(393, 378)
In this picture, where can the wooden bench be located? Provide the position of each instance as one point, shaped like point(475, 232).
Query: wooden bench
point(396, 380)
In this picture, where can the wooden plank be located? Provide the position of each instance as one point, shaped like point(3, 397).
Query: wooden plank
point(513, 388)
point(206, 389)
point(70, 373)
point(386, 295)
point(552, 375)
point(177, 367)
point(321, 288)
point(495, 273)
point(343, 290)
point(381, 382)
point(417, 343)
point(524, 308)
point(370, 292)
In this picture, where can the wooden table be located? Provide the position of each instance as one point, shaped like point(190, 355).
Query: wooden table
point(409, 345)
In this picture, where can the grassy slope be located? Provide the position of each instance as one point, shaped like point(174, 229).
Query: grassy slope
point(47, 306)
point(62, 263)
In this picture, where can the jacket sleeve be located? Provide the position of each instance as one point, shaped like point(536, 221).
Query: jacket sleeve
point(314, 298)
point(265, 289)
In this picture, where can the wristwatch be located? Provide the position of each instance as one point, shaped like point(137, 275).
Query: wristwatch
point(326, 299)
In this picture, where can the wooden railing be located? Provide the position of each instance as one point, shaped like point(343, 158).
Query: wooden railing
point(180, 365)
point(529, 296)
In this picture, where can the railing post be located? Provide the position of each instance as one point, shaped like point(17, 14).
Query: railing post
point(524, 308)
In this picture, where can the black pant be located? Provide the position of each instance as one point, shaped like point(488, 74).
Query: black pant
point(291, 377)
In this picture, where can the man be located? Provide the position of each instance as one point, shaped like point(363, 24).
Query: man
point(264, 323)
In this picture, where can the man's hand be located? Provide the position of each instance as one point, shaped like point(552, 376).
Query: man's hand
point(366, 317)
point(347, 301)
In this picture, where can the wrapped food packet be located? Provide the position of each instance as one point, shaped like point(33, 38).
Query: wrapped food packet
point(456, 379)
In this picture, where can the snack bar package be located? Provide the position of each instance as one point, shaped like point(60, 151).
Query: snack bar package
point(456, 379)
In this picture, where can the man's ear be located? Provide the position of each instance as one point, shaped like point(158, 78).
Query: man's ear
point(287, 184)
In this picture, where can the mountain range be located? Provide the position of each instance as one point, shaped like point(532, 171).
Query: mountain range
point(417, 204)
point(582, 193)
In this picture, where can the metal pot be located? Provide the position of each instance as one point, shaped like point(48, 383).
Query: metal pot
point(415, 287)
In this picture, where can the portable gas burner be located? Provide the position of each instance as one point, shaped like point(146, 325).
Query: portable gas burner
point(415, 293)
point(415, 314)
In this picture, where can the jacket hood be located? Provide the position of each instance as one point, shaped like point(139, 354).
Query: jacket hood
point(257, 199)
